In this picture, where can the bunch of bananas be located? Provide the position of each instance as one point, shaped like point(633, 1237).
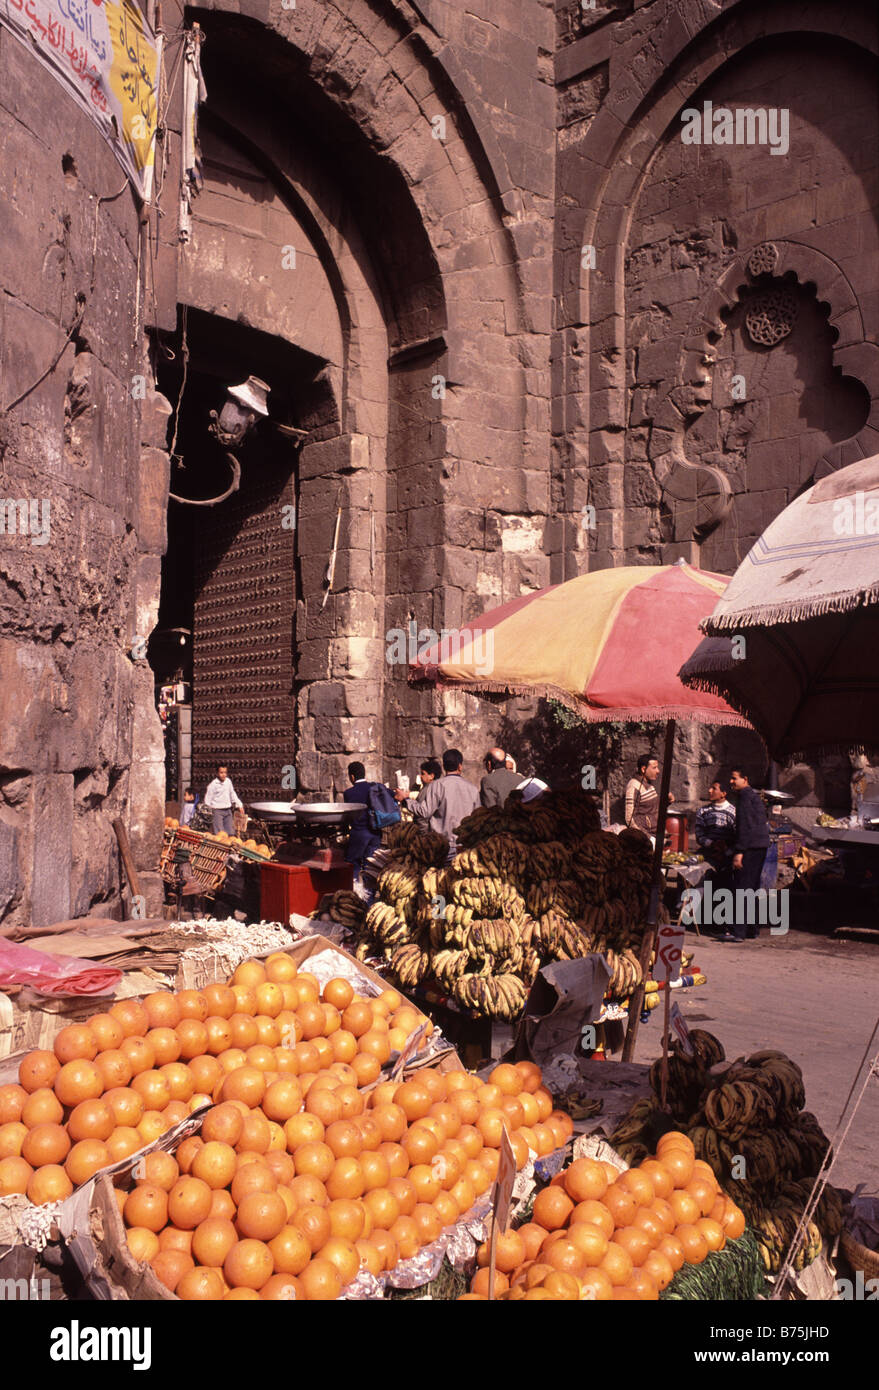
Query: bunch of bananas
point(488, 896)
point(399, 880)
point(344, 907)
point(425, 846)
point(448, 966)
point(499, 856)
point(384, 925)
point(775, 1230)
point(627, 974)
point(481, 824)
point(564, 894)
point(736, 1107)
point(497, 996)
point(558, 937)
point(410, 964)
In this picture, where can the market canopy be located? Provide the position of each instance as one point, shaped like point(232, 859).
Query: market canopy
point(607, 644)
point(793, 642)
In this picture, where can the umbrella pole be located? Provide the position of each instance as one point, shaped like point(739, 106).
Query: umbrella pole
point(636, 1003)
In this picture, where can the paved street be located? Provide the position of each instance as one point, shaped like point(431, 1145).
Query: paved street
point(816, 999)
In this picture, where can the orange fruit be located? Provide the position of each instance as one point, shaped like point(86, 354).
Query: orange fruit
point(290, 1251)
point(406, 1234)
point(159, 1168)
point(223, 1123)
point(306, 1190)
point(140, 1053)
point(637, 1243)
point(75, 1041)
point(172, 1239)
point(643, 1285)
point(42, 1107)
point(732, 1221)
point(222, 1205)
point(343, 1254)
point(252, 1177)
point(45, 1143)
point(162, 1010)
point(664, 1213)
point(673, 1251)
point(321, 1280)
point(703, 1193)
point(345, 1179)
point(648, 1221)
point(143, 1244)
point(621, 1204)
point(712, 1232)
point(152, 1086)
point(660, 1269)
point(658, 1175)
point(404, 1192)
point(596, 1285)
point(12, 1136)
point(220, 1001)
point(13, 1099)
point(186, 1152)
point(114, 1068)
point(205, 1071)
point(49, 1184)
point(617, 1264)
point(594, 1213)
point(78, 1080)
point(193, 1037)
point(552, 1208)
point(215, 1164)
point(685, 1207)
point(39, 1068)
point(192, 1004)
point(313, 1222)
point(585, 1180)
point(338, 992)
point(639, 1185)
point(692, 1242)
point(427, 1221)
point(198, 1285)
point(169, 1266)
point(261, 1216)
point(189, 1203)
point(165, 1044)
point(85, 1159)
point(15, 1174)
point(284, 1288)
point(678, 1163)
point(146, 1205)
point(123, 1142)
point(589, 1240)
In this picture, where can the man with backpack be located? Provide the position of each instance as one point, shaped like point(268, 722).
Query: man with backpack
point(448, 800)
point(366, 831)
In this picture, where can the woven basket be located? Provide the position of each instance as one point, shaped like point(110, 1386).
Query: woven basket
point(860, 1257)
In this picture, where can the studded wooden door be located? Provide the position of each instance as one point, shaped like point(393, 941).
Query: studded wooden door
point(243, 635)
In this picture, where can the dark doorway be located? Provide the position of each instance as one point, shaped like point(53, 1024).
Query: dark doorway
point(228, 599)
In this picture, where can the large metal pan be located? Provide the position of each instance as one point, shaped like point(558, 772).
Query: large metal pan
point(328, 812)
point(274, 810)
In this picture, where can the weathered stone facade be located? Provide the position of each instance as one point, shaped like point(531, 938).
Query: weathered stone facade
point(515, 295)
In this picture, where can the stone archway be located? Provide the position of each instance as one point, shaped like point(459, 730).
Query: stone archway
point(650, 80)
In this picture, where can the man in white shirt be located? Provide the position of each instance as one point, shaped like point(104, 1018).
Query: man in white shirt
point(220, 799)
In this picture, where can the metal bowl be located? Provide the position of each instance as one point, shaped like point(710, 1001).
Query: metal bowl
point(274, 810)
point(328, 812)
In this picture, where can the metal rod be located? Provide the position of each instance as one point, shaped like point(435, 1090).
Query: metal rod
point(637, 1000)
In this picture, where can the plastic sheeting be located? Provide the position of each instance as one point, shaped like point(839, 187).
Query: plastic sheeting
point(51, 975)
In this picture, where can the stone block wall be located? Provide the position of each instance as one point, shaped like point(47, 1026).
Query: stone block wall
point(78, 728)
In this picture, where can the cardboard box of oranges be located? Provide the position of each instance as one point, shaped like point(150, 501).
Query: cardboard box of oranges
point(307, 1166)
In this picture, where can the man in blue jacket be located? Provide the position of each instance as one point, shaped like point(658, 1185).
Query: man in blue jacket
point(749, 850)
point(363, 841)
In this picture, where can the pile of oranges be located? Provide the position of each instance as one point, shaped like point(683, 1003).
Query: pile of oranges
point(596, 1233)
point(115, 1084)
point(359, 1183)
point(299, 1177)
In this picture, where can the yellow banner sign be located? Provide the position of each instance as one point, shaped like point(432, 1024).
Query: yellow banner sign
point(108, 58)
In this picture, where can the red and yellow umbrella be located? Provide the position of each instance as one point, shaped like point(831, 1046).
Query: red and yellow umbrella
point(608, 644)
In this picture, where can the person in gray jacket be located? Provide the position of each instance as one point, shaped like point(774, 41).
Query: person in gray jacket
point(447, 801)
point(496, 786)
